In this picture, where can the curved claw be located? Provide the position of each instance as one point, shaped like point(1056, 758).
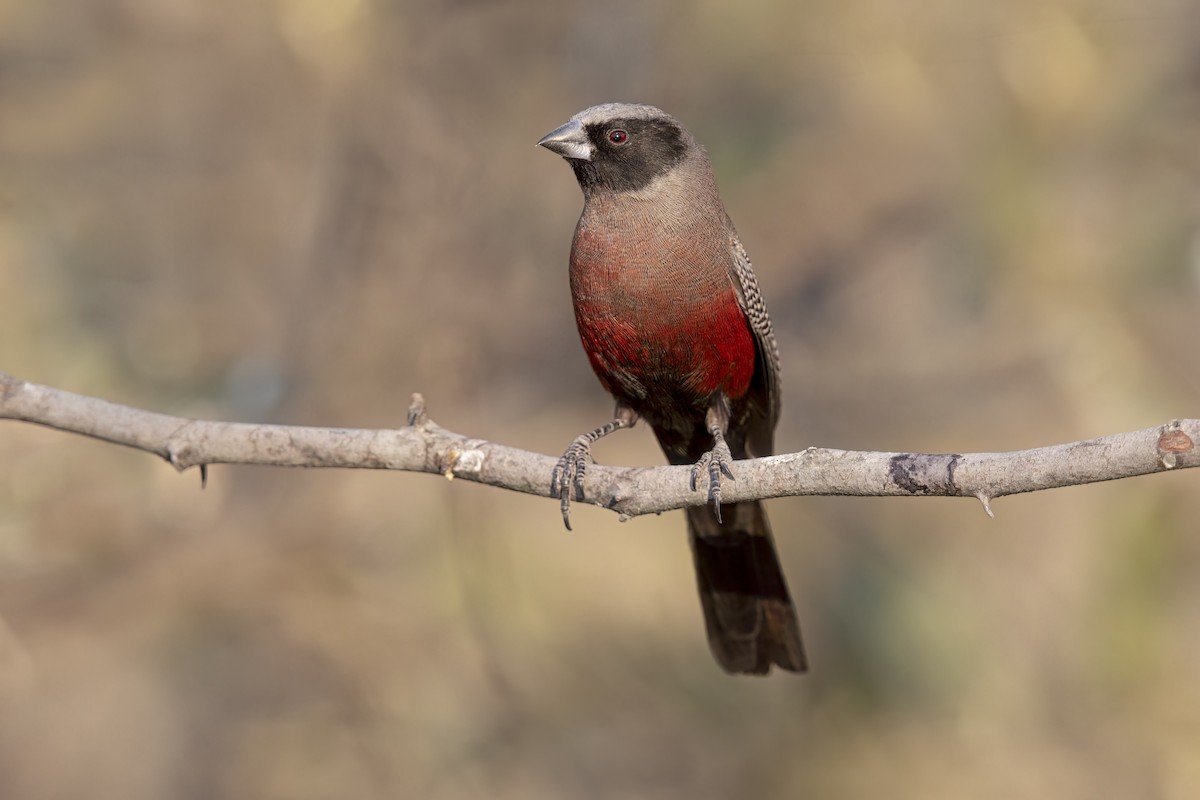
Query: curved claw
point(715, 467)
point(565, 506)
point(715, 462)
point(568, 473)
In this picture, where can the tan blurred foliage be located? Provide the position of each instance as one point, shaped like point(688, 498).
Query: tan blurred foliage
point(977, 229)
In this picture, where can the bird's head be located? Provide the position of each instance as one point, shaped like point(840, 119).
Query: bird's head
point(621, 146)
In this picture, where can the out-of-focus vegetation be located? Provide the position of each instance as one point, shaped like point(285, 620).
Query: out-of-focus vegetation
point(975, 225)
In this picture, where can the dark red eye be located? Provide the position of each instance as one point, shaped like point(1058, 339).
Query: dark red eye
point(618, 136)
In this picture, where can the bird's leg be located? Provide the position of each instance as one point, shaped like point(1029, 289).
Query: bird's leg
point(570, 468)
point(716, 460)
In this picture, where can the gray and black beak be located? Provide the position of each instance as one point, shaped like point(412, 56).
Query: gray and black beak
point(569, 141)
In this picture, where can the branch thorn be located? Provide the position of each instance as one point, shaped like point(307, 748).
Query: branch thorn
point(987, 503)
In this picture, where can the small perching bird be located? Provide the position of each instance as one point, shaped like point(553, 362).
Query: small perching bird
point(673, 323)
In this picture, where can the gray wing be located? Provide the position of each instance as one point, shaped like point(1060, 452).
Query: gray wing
point(765, 390)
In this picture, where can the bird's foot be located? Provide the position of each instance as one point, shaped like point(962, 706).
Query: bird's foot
point(569, 470)
point(568, 473)
point(715, 461)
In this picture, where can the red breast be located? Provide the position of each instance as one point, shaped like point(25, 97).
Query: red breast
point(656, 307)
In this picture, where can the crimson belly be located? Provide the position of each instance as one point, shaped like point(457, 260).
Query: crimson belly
point(677, 350)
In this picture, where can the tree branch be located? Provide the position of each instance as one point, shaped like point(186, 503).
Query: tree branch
point(422, 446)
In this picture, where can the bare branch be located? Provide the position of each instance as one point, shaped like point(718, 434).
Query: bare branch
point(426, 447)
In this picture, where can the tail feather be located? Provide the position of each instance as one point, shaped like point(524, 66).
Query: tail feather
point(748, 612)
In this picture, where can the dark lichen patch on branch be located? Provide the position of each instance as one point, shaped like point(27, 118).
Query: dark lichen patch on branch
point(925, 474)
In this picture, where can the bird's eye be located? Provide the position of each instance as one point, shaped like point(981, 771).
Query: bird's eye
point(618, 136)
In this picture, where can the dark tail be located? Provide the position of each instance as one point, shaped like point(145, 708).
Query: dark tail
point(747, 609)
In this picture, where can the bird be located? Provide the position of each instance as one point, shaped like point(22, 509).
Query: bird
point(674, 325)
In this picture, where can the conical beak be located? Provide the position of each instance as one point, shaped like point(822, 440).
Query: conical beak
point(569, 141)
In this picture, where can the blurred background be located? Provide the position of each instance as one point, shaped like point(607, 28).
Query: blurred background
point(977, 227)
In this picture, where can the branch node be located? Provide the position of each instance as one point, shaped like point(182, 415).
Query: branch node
point(463, 462)
point(175, 457)
point(416, 411)
point(1171, 443)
